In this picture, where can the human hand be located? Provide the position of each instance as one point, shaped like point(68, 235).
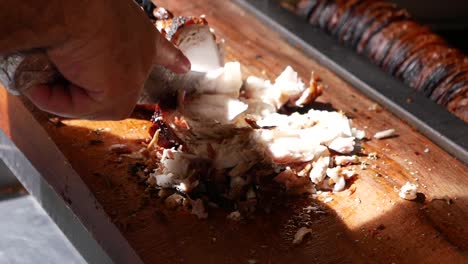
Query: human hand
point(107, 56)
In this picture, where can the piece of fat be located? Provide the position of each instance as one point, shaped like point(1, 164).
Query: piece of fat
point(342, 145)
point(283, 147)
point(287, 122)
point(258, 109)
point(340, 184)
point(316, 126)
point(385, 134)
point(289, 83)
point(287, 87)
point(260, 89)
point(226, 80)
point(300, 234)
point(346, 160)
point(319, 170)
point(358, 134)
point(408, 191)
point(334, 123)
point(215, 107)
point(199, 45)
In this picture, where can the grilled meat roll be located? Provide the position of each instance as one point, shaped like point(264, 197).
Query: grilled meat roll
point(395, 42)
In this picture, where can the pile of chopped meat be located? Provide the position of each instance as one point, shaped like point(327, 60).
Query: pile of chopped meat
point(221, 139)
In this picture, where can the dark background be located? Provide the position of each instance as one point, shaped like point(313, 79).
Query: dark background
point(448, 18)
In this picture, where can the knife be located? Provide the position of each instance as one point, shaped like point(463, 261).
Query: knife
point(34, 68)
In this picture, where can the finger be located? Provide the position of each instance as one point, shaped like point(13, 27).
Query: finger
point(64, 101)
point(74, 102)
point(169, 56)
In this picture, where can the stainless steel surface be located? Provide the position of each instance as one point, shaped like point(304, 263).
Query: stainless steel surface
point(7, 179)
point(430, 119)
point(69, 203)
point(28, 235)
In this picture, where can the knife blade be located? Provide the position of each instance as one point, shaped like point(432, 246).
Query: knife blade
point(162, 81)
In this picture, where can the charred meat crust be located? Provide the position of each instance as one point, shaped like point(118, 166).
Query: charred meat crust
point(167, 138)
point(380, 44)
point(391, 39)
point(302, 8)
point(172, 27)
point(445, 84)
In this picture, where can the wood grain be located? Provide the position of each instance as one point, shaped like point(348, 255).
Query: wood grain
point(367, 223)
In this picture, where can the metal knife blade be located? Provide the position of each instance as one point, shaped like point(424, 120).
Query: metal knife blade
point(162, 82)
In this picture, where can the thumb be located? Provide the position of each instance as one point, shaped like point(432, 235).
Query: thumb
point(169, 56)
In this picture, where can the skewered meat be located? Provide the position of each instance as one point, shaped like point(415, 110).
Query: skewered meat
point(395, 42)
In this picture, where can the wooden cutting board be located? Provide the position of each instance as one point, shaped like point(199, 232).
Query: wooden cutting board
point(366, 223)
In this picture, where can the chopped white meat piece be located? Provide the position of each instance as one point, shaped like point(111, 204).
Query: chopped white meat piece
point(346, 160)
point(300, 234)
point(284, 148)
point(334, 173)
point(198, 209)
point(375, 107)
point(408, 191)
point(221, 108)
point(327, 126)
point(385, 134)
point(260, 89)
point(289, 83)
point(342, 145)
point(338, 178)
point(318, 172)
point(198, 44)
point(293, 135)
point(348, 174)
point(358, 134)
point(328, 200)
point(175, 170)
point(293, 121)
point(340, 184)
point(235, 216)
point(259, 109)
point(182, 187)
point(226, 80)
point(288, 87)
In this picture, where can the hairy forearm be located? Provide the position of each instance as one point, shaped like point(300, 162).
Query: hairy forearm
point(31, 24)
